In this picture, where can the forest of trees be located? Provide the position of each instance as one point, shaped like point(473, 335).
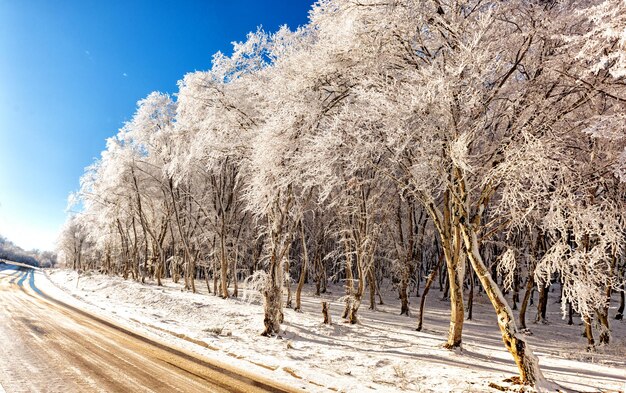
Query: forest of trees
point(11, 252)
point(386, 140)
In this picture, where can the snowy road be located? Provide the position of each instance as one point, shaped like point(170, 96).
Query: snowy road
point(49, 346)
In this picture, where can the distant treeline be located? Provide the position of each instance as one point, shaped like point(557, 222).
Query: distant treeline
point(12, 252)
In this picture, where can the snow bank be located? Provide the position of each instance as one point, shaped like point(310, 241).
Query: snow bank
point(383, 353)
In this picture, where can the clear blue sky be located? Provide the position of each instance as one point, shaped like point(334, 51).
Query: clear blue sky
point(71, 73)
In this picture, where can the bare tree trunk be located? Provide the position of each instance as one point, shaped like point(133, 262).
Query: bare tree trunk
point(442, 279)
point(403, 292)
point(108, 261)
point(405, 259)
point(429, 283)
point(570, 313)
point(287, 283)
point(603, 312)
point(523, 356)
point(456, 270)
point(516, 289)
point(317, 262)
point(450, 236)
point(305, 263)
point(529, 290)
point(446, 287)
point(605, 331)
point(371, 282)
point(542, 303)
point(326, 313)
point(470, 297)
point(216, 291)
point(591, 343)
point(353, 300)
point(279, 249)
point(273, 300)
point(527, 363)
point(125, 252)
point(174, 269)
point(234, 274)
point(620, 311)
point(206, 279)
point(160, 253)
point(186, 270)
point(349, 279)
point(189, 264)
point(223, 259)
point(158, 273)
point(135, 256)
point(380, 296)
point(192, 272)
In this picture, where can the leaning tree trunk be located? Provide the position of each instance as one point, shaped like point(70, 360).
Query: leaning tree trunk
point(529, 290)
point(516, 280)
point(514, 342)
point(470, 297)
point(429, 283)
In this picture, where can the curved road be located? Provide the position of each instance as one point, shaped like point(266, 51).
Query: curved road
point(49, 346)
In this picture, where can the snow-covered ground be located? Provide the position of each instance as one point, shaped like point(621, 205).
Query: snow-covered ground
point(383, 353)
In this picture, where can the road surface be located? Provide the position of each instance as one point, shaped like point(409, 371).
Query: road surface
point(49, 346)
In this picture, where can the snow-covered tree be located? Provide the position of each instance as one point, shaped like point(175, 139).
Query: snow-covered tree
point(493, 131)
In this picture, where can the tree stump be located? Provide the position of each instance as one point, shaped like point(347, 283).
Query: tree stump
point(326, 313)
